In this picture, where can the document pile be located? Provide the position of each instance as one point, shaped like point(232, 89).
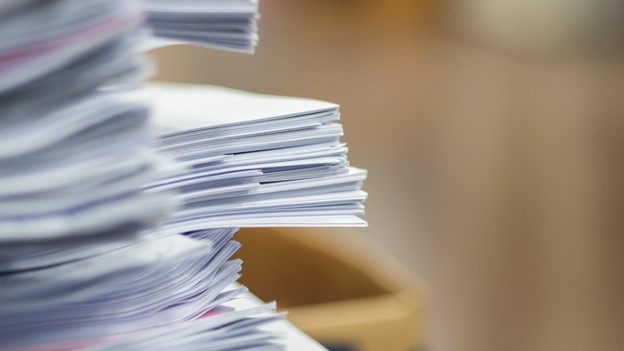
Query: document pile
point(82, 262)
point(73, 150)
point(254, 160)
point(225, 24)
point(160, 294)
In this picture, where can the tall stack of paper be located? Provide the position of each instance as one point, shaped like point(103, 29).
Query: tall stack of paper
point(73, 150)
point(255, 160)
point(82, 263)
point(224, 24)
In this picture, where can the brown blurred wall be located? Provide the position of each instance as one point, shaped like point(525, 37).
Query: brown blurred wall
point(529, 190)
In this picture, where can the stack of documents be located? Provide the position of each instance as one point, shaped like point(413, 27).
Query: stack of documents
point(224, 24)
point(149, 291)
point(83, 263)
point(254, 160)
point(234, 329)
point(74, 151)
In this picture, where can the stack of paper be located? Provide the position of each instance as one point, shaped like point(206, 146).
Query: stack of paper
point(73, 151)
point(254, 160)
point(235, 329)
point(82, 262)
point(225, 24)
point(129, 294)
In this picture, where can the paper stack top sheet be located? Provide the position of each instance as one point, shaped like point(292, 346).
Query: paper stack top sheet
point(255, 160)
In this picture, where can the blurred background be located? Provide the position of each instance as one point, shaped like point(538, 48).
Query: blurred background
point(492, 131)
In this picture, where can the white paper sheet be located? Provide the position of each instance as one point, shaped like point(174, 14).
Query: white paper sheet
point(294, 143)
